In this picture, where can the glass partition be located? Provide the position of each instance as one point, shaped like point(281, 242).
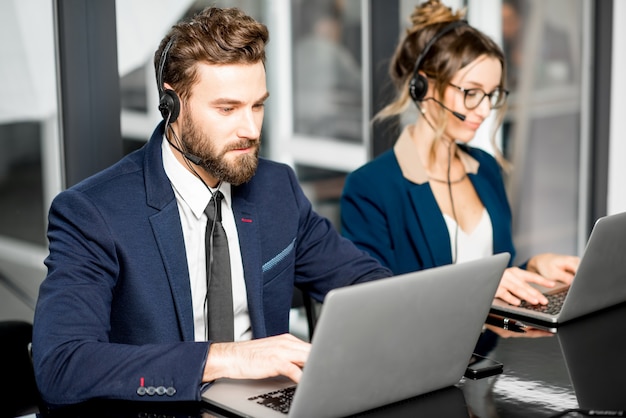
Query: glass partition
point(545, 131)
point(30, 173)
point(327, 73)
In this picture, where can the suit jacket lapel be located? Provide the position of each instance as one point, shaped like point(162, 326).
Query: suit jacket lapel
point(435, 250)
point(434, 230)
point(428, 215)
point(168, 233)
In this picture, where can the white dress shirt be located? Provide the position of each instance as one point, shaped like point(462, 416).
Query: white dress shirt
point(192, 197)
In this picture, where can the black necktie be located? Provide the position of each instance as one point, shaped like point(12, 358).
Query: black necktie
point(219, 287)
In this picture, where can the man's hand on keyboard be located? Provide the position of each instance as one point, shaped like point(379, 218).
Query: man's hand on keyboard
point(257, 359)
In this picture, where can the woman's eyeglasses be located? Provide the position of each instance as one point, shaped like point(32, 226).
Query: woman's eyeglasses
point(473, 97)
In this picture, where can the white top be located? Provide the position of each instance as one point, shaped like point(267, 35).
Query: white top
point(475, 245)
point(192, 197)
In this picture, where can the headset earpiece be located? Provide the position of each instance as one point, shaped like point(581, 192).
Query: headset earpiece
point(418, 85)
point(169, 105)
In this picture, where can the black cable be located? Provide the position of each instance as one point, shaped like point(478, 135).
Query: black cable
point(423, 112)
point(209, 269)
point(449, 182)
point(456, 229)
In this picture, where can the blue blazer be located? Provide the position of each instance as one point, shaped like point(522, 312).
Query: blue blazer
point(398, 220)
point(115, 309)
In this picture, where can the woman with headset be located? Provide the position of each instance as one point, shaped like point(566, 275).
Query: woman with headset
point(433, 199)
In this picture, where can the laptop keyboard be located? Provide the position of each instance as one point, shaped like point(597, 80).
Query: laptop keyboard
point(278, 400)
point(555, 302)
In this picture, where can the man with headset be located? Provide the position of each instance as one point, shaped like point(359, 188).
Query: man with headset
point(125, 310)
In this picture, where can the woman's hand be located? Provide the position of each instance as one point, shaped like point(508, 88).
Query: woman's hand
point(528, 332)
point(543, 269)
point(555, 266)
point(514, 287)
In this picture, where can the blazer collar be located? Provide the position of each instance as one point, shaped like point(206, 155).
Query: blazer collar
point(411, 163)
point(159, 192)
point(167, 230)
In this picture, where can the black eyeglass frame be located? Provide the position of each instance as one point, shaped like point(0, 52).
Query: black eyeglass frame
point(504, 92)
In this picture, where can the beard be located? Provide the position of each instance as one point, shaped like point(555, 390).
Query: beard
point(237, 171)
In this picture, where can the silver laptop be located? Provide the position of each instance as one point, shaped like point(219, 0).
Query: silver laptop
point(599, 283)
point(380, 342)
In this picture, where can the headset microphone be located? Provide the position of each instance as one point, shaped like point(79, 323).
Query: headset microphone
point(460, 116)
point(193, 158)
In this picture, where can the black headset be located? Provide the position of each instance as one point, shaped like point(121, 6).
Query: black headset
point(169, 106)
point(418, 86)
point(169, 103)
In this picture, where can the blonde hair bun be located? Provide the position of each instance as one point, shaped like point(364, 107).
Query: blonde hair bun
point(433, 12)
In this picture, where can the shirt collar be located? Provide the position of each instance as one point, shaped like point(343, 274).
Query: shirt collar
point(411, 164)
point(188, 186)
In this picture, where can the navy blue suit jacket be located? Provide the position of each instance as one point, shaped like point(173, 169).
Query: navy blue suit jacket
point(399, 221)
point(115, 309)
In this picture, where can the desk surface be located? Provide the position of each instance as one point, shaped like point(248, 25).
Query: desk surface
point(581, 366)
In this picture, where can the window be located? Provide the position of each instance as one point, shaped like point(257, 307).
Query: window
point(544, 134)
point(30, 173)
point(327, 72)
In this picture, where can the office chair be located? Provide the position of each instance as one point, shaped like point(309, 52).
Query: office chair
point(19, 391)
point(301, 298)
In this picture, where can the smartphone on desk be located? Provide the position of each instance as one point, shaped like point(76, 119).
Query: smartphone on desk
point(480, 367)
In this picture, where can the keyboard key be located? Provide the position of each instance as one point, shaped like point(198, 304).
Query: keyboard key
point(555, 302)
point(278, 400)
